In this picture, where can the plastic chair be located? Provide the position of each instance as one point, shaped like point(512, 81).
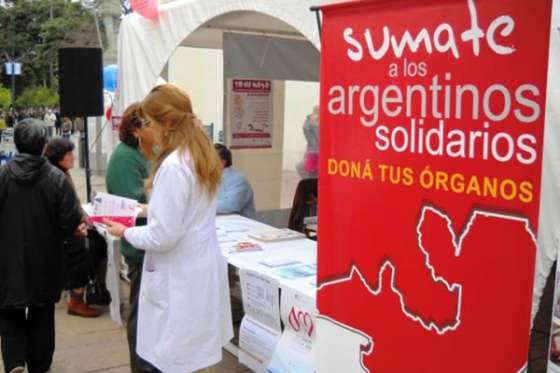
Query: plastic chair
point(304, 205)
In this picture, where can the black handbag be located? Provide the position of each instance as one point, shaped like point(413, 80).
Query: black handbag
point(96, 292)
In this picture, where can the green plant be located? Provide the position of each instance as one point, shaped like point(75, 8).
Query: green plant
point(40, 96)
point(5, 97)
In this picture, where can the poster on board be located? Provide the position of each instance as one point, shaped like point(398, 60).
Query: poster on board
point(432, 119)
point(250, 113)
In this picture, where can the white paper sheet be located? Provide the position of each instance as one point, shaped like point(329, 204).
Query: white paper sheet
point(261, 299)
point(260, 329)
point(256, 344)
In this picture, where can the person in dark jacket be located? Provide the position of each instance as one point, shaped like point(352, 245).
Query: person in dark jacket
point(38, 210)
point(82, 263)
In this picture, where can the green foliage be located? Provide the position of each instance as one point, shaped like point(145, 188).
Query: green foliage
point(5, 97)
point(33, 31)
point(37, 97)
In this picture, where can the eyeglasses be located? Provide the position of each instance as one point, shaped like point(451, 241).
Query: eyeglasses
point(146, 123)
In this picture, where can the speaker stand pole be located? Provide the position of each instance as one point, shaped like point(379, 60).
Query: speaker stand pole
point(86, 159)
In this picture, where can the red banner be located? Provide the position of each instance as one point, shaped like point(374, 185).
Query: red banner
point(432, 118)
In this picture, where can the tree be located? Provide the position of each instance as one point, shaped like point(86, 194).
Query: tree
point(37, 97)
point(5, 97)
point(35, 30)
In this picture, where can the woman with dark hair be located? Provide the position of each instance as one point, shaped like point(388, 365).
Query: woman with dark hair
point(127, 171)
point(81, 263)
point(184, 318)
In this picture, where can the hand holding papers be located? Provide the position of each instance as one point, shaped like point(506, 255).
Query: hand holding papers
point(143, 210)
point(114, 228)
point(117, 209)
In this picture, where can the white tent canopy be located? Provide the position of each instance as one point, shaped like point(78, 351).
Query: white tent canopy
point(145, 47)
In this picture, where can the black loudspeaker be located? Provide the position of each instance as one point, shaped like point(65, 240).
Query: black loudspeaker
point(80, 88)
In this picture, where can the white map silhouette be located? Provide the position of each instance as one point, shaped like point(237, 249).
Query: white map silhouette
point(348, 342)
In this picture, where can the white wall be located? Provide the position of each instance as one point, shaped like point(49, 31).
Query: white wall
point(301, 97)
point(200, 73)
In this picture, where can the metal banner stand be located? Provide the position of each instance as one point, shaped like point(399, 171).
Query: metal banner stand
point(86, 159)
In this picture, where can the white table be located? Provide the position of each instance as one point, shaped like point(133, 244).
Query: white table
point(235, 228)
point(302, 250)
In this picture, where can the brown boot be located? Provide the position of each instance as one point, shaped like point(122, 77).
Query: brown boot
point(77, 307)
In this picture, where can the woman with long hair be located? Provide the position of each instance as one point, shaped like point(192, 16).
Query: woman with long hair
point(184, 317)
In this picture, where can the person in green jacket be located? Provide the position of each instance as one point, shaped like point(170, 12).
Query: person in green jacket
point(126, 173)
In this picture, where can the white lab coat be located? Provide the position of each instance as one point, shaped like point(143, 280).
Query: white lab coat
point(184, 315)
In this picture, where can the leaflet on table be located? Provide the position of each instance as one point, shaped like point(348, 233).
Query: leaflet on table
point(235, 224)
point(297, 271)
point(294, 352)
point(118, 209)
point(227, 237)
point(276, 262)
point(276, 235)
point(243, 247)
point(256, 344)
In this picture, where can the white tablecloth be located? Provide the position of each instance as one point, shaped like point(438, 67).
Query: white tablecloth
point(237, 229)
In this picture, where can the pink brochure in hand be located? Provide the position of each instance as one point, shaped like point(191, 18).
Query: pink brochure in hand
point(118, 209)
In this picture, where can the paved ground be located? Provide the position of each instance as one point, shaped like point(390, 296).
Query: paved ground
point(99, 345)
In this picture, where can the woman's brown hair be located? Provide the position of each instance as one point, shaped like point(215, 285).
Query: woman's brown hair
point(130, 122)
point(170, 109)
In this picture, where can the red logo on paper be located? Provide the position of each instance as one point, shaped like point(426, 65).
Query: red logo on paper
point(300, 320)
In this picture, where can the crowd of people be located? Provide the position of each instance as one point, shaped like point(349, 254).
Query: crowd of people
point(55, 124)
point(181, 181)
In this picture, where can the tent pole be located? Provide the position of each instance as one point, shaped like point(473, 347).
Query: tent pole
point(317, 11)
point(86, 155)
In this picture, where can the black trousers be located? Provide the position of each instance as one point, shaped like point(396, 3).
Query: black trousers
point(28, 337)
point(82, 262)
point(137, 364)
